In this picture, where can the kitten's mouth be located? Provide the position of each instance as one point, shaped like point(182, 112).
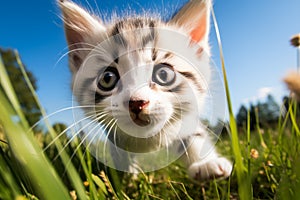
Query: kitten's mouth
point(140, 119)
point(139, 112)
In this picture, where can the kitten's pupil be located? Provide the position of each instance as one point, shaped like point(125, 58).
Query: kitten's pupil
point(163, 74)
point(108, 79)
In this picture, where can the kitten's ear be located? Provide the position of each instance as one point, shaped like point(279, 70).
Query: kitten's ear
point(195, 18)
point(81, 29)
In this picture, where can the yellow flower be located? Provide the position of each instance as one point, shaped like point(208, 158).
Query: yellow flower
point(73, 195)
point(269, 163)
point(254, 153)
point(86, 183)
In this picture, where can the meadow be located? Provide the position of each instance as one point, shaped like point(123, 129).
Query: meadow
point(42, 164)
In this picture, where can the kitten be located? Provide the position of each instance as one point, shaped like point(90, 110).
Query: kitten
point(144, 81)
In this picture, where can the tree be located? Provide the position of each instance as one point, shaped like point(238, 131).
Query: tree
point(266, 114)
point(253, 116)
point(25, 97)
point(241, 117)
point(273, 109)
point(269, 111)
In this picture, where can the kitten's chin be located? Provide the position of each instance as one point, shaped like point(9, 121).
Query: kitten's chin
point(141, 119)
point(142, 122)
point(141, 127)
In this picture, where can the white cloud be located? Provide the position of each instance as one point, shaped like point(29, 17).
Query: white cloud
point(260, 95)
point(263, 92)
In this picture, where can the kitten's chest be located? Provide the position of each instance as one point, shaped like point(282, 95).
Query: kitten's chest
point(136, 144)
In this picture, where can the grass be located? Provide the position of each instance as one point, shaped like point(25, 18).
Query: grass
point(265, 162)
point(243, 177)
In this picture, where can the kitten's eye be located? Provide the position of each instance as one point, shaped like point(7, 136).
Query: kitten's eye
point(108, 79)
point(163, 74)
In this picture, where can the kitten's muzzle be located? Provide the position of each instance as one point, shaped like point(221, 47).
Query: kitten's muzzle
point(137, 112)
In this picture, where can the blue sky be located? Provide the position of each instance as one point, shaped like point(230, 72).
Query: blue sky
point(255, 36)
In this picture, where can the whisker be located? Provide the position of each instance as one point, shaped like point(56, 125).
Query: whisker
point(181, 108)
point(71, 51)
point(81, 44)
point(180, 139)
point(107, 135)
point(63, 132)
point(115, 140)
point(54, 113)
point(78, 132)
point(71, 126)
point(104, 132)
point(92, 139)
point(160, 141)
point(82, 140)
point(184, 148)
point(167, 145)
point(88, 47)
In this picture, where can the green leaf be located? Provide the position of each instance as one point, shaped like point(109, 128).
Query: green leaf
point(99, 183)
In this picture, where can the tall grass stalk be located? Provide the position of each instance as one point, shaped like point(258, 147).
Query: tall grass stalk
point(38, 171)
point(70, 169)
point(248, 143)
point(86, 166)
point(11, 95)
point(244, 180)
point(7, 180)
point(292, 114)
point(262, 142)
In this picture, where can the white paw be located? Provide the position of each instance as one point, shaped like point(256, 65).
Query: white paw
point(218, 168)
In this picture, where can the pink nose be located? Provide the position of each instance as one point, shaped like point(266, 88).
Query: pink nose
point(136, 106)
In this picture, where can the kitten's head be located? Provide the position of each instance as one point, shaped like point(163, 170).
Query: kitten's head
point(142, 75)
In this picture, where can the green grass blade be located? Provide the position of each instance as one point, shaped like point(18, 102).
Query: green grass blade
point(216, 188)
point(262, 142)
point(248, 142)
point(11, 95)
point(244, 183)
point(71, 171)
point(8, 187)
point(86, 166)
point(28, 154)
point(293, 119)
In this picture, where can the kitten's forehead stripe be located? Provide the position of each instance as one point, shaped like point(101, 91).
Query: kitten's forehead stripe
point(134, 24)
point(154, 54)
point(116, 30)
point(168, 55)
point(120, 40)
point(148, 38)
point(131, 24)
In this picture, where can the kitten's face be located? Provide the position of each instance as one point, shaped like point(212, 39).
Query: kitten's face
point(139, 74)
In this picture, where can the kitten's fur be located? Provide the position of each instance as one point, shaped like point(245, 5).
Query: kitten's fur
point(155, 89)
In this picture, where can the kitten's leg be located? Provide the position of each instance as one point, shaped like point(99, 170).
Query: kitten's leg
point(203, 161)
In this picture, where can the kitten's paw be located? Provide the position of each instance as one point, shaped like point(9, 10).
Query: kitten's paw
point(218, 168)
